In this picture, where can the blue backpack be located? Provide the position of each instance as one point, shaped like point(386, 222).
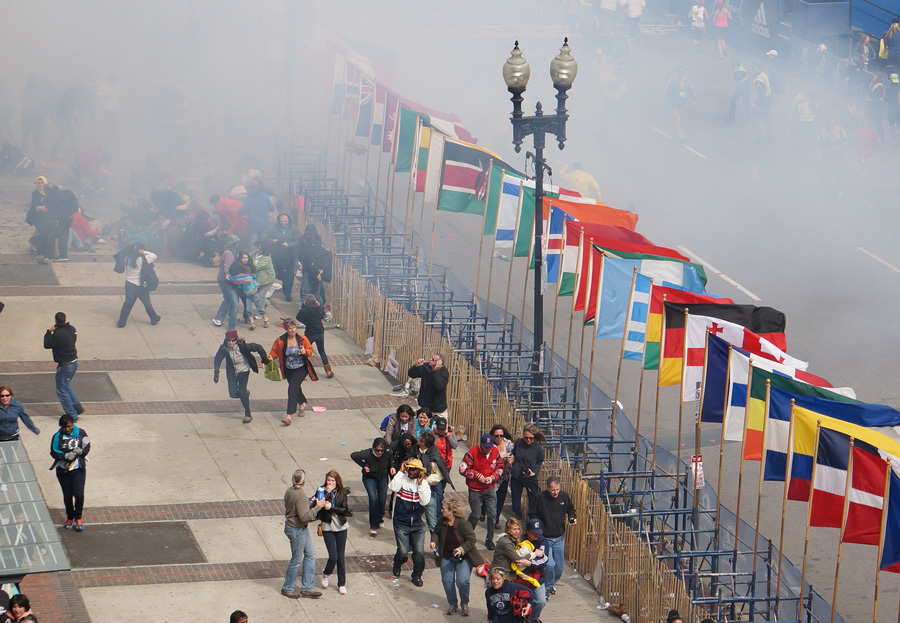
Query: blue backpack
point(383, 427)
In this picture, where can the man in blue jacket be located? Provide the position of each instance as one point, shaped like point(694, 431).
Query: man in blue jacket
point(257, 207)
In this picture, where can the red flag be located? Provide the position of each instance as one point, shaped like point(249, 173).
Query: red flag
point(866, 498)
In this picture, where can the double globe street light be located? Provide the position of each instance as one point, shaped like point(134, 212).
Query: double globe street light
point(516, 73)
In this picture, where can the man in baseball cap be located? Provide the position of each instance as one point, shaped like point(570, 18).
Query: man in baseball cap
point(482, 468)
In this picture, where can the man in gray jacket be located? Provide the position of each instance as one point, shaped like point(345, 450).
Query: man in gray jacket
point(298, 512)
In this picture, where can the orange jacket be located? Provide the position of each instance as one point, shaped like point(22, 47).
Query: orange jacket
point(280, 344)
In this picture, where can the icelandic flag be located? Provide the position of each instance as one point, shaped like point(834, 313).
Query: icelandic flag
point(507, 211)
point(366, 105)
point(552, 241)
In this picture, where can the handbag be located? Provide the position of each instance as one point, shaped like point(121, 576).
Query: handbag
point(319, 530)
point(273, 372)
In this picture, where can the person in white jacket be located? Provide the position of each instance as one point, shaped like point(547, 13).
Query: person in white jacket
point(135, 256)
point(412, 496)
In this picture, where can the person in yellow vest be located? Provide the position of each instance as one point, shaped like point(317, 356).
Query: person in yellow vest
point(803, 116)
point(762, 104)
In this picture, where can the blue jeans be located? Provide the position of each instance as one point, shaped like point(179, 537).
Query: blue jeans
point(229, 306)
point(376, 489)
point(459, 571)
point(437, 494)
point(410, 538)
point(539, 601)
point(67, 397)
point(319, 340)
point(557, 562)
point(301, 551)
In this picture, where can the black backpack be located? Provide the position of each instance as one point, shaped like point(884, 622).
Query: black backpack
point(149, 280)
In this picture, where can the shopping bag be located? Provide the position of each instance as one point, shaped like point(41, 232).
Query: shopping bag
point(273, 372)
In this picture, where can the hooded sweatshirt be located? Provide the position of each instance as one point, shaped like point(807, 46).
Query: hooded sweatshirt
point(411, 499)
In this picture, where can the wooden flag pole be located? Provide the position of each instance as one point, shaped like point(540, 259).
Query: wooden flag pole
point(512, 258)
point(481, 241)
point(737, 523)
point(368, 152)
point(615, 405)
point(434, 215)
point(589, 392)
point(784, 500)
point(415, 175)
point(884, 514)
point(837, 566)
point(390, 186)
point(812, 487)
point(637, 425)
point(378, 185)
point(722, 443)
point(762, 474)
point(524, 299)
point(572, 313)
point(659, 361)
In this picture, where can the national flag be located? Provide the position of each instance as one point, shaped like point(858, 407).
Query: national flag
point(551, 242)
point(525, 232)
point(351, 90)
point(636, 329)
point(890, 556)
point(407, 140)
point(785, 388)
point(732, 333)
point(426, 137)
point(337, 98)
point(831, 470)
point(615, 294)
point(655, 316)
point(508, 208)
point(495, 191)
point(609, 238)
point(378, 114)
point(614, 288)
point(867, 483)
point(715, 389)
point(764, 322)
point(464, 177)
point(431, 175)
point(591, 211)
point(366, 107)
point(872, 423)
point(391, 119)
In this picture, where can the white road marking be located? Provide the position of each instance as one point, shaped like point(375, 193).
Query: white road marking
point(696, 258)
point(669, 136)
point(878, 259)
point(694, 151)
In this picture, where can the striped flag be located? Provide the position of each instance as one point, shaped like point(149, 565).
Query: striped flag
point(637, 319)
point(378, 114)
point(510, 198)
point(465, 175)
point(551, 243)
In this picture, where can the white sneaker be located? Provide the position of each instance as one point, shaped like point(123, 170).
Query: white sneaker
point(325, 579)
point(342, 590)
point(217, 322)
point(258, 316)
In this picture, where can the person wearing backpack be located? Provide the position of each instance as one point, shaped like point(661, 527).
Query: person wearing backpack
point(138, 284)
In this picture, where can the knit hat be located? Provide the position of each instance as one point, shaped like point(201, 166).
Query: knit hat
point(231, 335)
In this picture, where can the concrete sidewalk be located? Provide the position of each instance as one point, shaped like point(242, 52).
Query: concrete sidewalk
point(183, 514)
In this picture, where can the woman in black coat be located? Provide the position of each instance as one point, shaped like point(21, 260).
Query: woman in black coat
point(334, 528)
point(237, 353)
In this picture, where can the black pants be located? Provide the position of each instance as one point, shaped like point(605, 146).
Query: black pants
point(237, 388)
point(336, 543)
point(295, 380)
point(72, 485)
point(132, 294)
point(284, 272)
point(60, 236)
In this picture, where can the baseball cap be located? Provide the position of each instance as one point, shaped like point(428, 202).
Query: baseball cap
point(486, 440)
point(535, 526)
point(440, 424)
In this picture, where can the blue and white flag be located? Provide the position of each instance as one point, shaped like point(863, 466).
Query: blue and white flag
point(507, 211)
point(552, 241)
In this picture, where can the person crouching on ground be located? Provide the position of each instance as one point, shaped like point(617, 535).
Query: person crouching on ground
point(239, 361)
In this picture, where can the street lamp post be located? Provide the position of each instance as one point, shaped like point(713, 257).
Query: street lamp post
point(516, 73)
